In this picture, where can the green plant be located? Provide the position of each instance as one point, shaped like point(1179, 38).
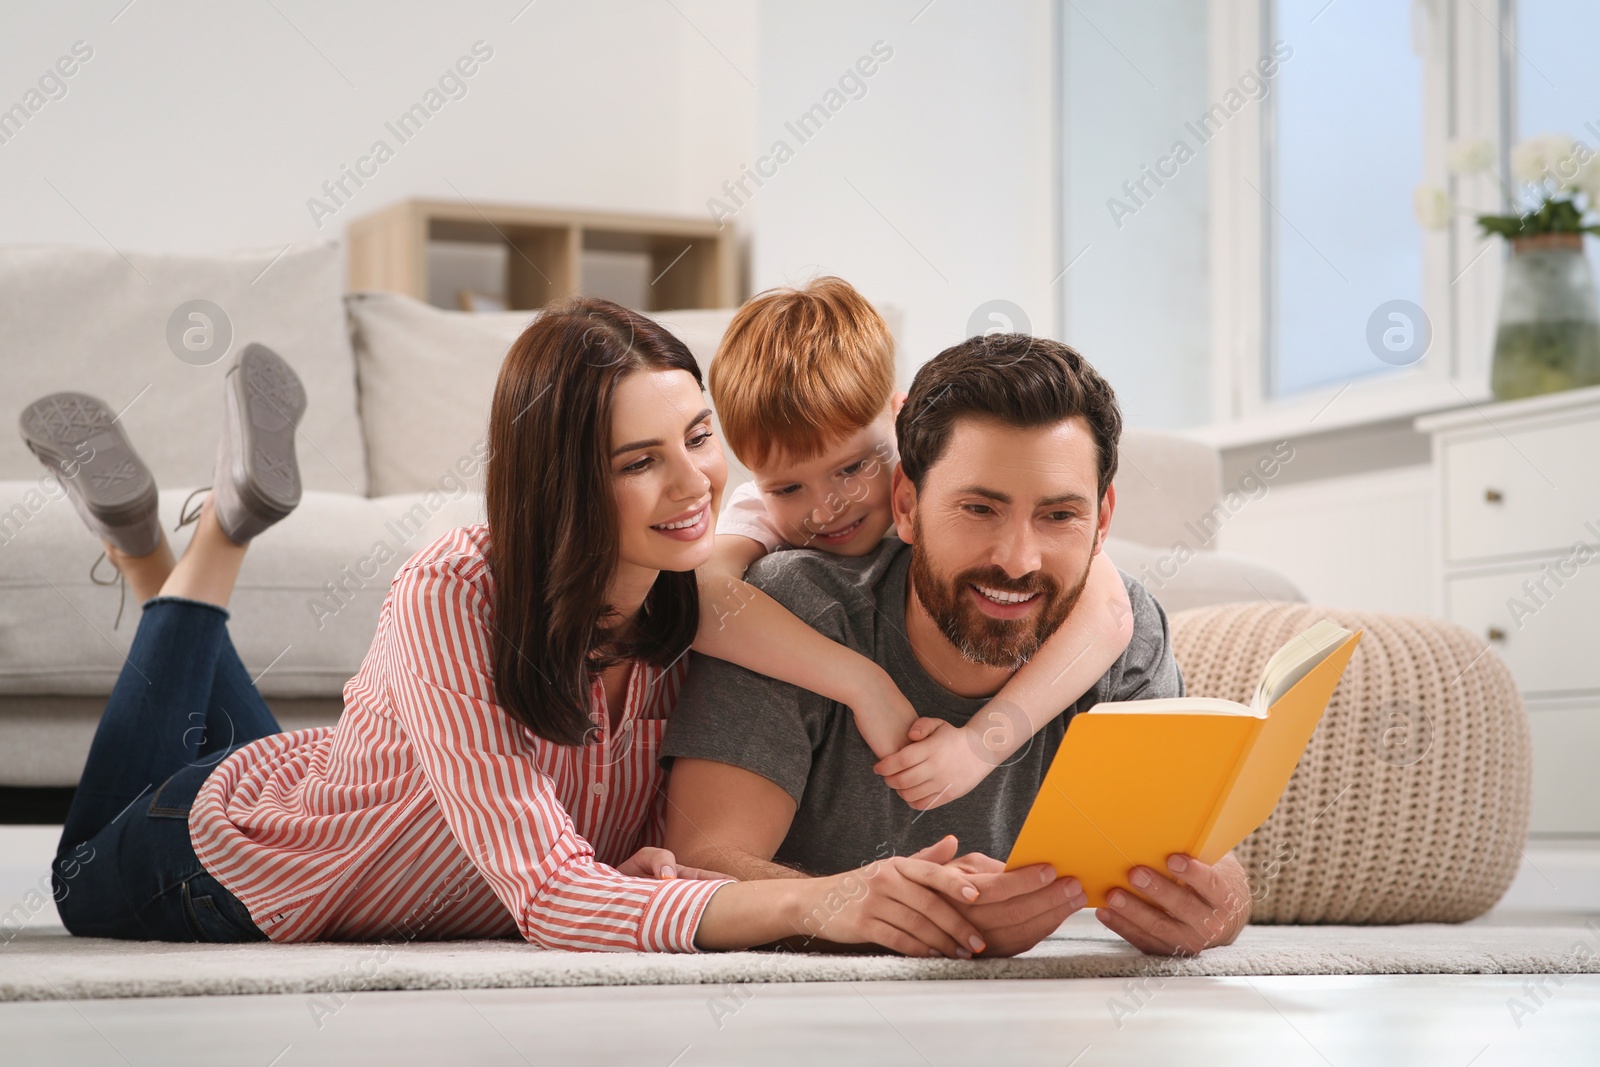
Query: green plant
point(1558, 214)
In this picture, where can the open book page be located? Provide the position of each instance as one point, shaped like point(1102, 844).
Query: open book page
point(1175, 706)
point(1287, 666)
point(1296, 659)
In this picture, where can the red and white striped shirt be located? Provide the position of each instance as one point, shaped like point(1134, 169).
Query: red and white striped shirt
point(428, 812)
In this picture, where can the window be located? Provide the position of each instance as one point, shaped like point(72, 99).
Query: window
point(1346, 152)
point(1314, 240)
point(1557, 85)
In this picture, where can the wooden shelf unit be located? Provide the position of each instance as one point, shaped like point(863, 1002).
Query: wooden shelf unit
point(692, 261)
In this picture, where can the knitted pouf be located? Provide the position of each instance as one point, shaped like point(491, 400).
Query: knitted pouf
point(1411, 802)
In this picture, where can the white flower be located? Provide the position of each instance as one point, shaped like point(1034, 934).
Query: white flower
point(1547, 159)
point(1470, 156)
point(1432, 207)
point(1528, 160)
point(1588, 177)
point(1567, 170)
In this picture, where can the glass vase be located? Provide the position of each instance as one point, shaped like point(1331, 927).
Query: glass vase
point(1549, 333)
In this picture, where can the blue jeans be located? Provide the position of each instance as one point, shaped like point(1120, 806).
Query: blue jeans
point(125, 866)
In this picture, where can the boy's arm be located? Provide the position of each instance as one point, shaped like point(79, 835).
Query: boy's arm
point(743, 625)
point(731, 556)
point(944, 762)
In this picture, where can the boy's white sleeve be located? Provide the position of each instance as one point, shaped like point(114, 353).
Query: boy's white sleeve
point(744, 513)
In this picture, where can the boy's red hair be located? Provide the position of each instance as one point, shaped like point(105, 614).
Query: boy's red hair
point(800, 368)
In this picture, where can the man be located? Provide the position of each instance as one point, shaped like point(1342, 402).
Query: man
point(1007, 452)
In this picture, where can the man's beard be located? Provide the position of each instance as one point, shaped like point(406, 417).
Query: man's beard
point(982, 638)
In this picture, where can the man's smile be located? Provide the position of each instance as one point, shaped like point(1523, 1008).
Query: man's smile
point(999, 604)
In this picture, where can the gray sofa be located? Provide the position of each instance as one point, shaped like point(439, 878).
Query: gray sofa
point(391, 451)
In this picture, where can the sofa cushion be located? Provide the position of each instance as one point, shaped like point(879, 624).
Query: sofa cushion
point(427, 377)
point(98, 321)
point(1166, 487)
point(44, 740)
point(306, 604)
point(1181, 579)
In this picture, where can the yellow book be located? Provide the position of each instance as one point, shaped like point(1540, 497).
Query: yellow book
point(1135, 781)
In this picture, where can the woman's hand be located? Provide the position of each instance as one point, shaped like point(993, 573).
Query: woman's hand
point(660, 863)
point(941, 763)
point(934, 903)
point(1197, 907)
point(900, 902)
point(1017, 909)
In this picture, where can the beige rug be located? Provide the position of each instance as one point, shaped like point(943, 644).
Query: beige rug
point(46, 963)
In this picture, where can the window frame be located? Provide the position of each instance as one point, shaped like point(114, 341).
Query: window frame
point(1468, 46)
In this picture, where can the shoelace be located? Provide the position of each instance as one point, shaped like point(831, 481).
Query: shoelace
point(118, 580)
point(185, 518)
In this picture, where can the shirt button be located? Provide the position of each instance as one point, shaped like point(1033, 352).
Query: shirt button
point(599, 789)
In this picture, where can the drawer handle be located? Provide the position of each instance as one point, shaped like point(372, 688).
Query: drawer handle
point(1496, 634)
point(1493, 496)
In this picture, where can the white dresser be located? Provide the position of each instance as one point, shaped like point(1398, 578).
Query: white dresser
point(1518, 563)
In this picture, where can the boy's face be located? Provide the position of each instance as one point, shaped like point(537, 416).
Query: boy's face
point(837, 501)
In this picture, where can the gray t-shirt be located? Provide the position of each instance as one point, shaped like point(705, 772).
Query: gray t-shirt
point(847, 816)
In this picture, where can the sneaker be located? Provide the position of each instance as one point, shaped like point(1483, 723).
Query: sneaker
point(78, 436)
point(257, 479)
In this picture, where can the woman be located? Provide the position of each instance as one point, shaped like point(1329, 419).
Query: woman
point(494, 770)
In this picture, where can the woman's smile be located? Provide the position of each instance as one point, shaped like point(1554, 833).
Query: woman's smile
point(688, 526)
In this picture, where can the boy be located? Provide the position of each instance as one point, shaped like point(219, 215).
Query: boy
point(803, 384)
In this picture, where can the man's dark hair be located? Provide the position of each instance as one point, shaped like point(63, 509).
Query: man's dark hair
point(1015, 379)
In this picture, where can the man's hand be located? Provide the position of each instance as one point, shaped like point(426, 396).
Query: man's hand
point(1016, 909)
point(1197, 907)
point(940, 764)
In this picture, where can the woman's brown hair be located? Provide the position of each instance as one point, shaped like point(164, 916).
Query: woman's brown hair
point(553, 536)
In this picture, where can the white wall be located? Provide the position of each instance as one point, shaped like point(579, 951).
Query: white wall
point(201, 126)
point(933, 191)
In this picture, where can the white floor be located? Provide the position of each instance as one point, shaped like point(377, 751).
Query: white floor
point(1450, 1020)
point(1454, 1020)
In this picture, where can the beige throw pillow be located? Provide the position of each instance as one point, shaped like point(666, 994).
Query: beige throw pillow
point(427, 377)
point(117, 325)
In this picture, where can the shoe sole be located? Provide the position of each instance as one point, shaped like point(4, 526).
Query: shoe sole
point(111, 487)
point(258, 480)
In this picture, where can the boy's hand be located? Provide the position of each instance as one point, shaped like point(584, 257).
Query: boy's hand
point(939, 765)
point(1193, 908)
point(883, 714)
